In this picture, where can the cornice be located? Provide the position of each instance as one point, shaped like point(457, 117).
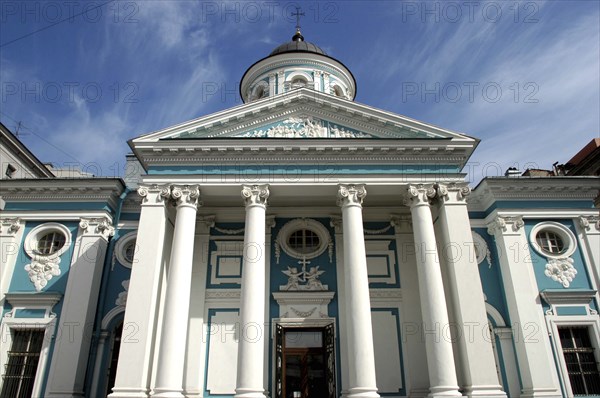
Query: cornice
point(491, 190)
point(63, 190)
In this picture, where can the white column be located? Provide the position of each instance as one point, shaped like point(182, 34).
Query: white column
point(70, 356)
point(336, 222)
point(171, 354)
point(440, 358)
point(361, 358)
point(415, 361)
point(252, 307)
point(139, 326)
point(534, 354)
point(11, 234)
point(475, 351)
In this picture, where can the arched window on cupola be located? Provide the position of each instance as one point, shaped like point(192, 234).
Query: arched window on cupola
point(338, 91)
point(261, 90)
point(298, 82)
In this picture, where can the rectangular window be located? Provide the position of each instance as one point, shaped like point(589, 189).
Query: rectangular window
point(578, 351)
point(23, 358)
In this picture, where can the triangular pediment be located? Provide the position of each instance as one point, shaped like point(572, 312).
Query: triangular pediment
point(303, 114)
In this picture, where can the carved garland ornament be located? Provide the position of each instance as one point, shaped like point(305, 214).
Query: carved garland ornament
point(42, 269)
point(561, 270)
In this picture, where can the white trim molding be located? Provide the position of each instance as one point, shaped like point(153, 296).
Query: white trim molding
point(10, 323)
point(592, 322)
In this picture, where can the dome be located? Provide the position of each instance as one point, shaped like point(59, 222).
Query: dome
point(297, 45)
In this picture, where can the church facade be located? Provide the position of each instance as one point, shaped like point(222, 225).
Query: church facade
point(299, 245)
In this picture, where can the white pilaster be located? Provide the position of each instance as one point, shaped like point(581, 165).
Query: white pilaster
point(11, 235)
point(588, 231)
point(171, 354)
point(272, 84)
point(467, 302)
point(139, 325)
point(69, 360)
point(196, 347)
point(361, 356)
point(440, 359)
point(98, 368)
point(252, 307)
point(510, 362)
point(280, 82)
point(317, 79)
point(415, 360)
point(536, 363)
point(326, 83)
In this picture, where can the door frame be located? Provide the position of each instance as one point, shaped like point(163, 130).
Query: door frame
point(299, 323)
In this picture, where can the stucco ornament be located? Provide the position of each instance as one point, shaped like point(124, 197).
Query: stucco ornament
point(122, 298)
point(303, 279)
point(561, 270)
point(42, 269)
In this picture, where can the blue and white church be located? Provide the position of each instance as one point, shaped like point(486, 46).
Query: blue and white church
point(298, 245)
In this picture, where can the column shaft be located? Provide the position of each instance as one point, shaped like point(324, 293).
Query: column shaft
point(252, 307)
point(478, 376)
point(171, 356)
point(361, 356)
point(440, 358)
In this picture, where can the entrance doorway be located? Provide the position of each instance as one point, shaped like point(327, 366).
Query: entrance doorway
point(305, 362)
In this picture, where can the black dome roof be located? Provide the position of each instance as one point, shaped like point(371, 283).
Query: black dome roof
point(297, 45)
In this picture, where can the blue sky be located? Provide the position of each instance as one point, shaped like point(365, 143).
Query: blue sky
point(521, 76)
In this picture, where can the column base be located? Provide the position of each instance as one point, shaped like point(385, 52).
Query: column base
point(418, 392)
point(167, 393)
point(485, 391)
point(541, 393)
point(128, 393)
point(249, 393)
point(444, 391)
point(362, 392)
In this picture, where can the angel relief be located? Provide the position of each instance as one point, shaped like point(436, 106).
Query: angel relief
point(303, 279)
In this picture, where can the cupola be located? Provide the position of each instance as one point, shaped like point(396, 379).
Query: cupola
point(293, 65)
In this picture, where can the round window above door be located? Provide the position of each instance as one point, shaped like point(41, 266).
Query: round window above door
point(303, 238)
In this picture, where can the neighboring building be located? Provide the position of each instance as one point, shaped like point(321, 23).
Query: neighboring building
point(300, 244)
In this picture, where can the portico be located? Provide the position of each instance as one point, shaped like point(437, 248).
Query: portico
point(280, 218)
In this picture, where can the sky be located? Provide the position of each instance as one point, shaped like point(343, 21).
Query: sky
point(78, 79)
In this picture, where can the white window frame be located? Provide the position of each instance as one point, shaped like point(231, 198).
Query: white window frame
point(47, 324)
point(303, 223)
point(561, 230)
point(33, 237)
point(553, 323)
point(120, 247)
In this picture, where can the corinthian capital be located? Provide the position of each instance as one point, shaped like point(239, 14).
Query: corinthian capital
point(351, 194)
point(255, 194)
point(154, 193)
point(186, 195)
point(503, 225)
point(452, 193)
point(97, 226)
point(419, 195)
